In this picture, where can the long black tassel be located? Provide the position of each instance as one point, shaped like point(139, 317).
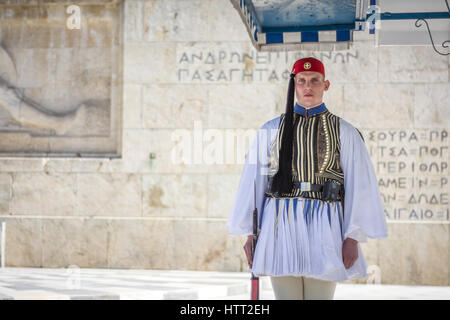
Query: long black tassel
point(282, 181)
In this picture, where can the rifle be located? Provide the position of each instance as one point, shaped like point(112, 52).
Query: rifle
point(254, 279)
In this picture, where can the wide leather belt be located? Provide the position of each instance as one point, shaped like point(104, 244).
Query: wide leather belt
point(329, 191)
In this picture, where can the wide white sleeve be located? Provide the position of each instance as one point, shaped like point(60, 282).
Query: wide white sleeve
point(254, 173)
point(363, 210)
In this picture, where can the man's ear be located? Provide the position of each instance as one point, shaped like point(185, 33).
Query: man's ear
point(327, 85)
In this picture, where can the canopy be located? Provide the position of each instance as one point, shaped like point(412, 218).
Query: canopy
point(327, 25)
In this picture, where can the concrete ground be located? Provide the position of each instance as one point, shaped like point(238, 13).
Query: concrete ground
point(75, 283)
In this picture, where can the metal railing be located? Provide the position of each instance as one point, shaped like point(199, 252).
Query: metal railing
point(2, 243)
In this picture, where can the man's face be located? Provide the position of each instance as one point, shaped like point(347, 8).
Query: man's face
point(309, 88)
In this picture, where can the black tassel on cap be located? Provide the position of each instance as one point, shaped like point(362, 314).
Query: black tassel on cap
point(282, 181)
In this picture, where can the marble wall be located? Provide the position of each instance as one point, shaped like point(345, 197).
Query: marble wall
point(60, 78)
point(189, 69)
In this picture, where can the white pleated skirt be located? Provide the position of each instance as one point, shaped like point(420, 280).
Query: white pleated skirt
point(303, 237)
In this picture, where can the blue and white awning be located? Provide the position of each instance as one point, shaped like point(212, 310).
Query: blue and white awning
point(328, 25)
point(299, 24)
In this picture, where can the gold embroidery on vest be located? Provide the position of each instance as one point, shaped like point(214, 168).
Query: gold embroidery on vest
point(318, 165)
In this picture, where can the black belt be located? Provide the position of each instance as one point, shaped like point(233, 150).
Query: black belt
point(331, 191)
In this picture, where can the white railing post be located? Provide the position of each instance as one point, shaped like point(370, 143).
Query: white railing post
point(2, 243)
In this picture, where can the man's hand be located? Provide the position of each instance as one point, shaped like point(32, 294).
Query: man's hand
point(349, 252)
point(248, 250)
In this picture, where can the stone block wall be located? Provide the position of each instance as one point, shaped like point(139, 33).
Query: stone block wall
point(189, 69)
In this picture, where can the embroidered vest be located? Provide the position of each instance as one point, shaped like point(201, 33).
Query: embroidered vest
point(316, 153)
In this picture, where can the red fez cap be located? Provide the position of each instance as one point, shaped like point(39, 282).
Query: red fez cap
point(308, 64)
